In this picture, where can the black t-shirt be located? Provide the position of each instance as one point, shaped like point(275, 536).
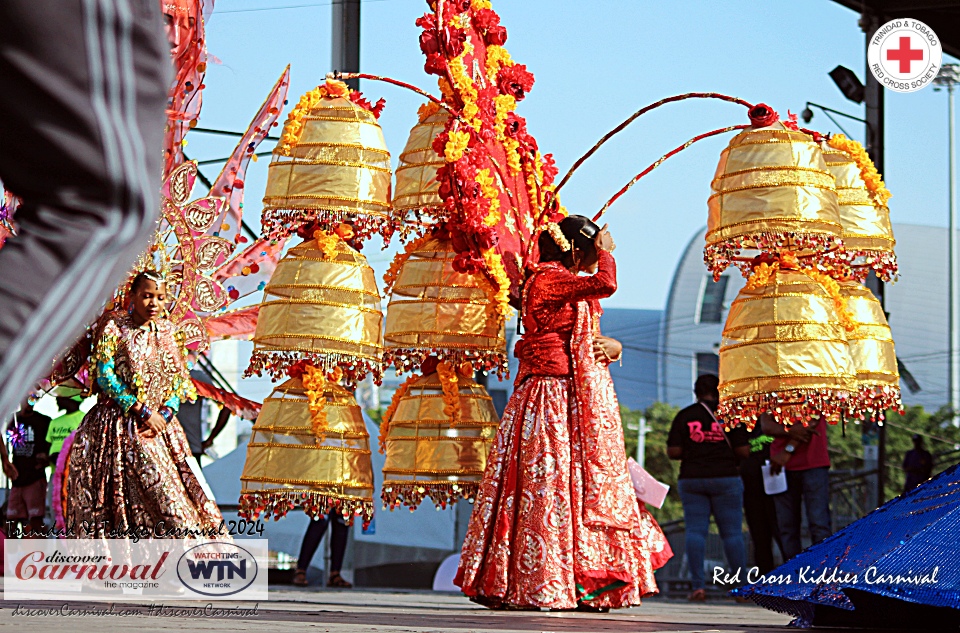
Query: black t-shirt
point(705, 451)
point(28, 437)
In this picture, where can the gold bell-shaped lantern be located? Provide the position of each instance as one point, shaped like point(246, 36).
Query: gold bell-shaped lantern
point(439, 427)
point(874, 357)
point(785, 351)
point(415, 199)
point(309, 448)
point(331, 165)
point(321, 305)
point(864, 215)
point(437, 435)
point(436, 311)
point(772, 192)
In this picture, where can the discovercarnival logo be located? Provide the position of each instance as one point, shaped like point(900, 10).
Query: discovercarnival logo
point(217, 569)
point(117, 569)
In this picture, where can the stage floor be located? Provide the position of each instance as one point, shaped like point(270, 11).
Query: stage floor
point(356, 610)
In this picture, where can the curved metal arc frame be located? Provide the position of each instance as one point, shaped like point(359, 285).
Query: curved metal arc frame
point(660, 160)
point(633, 117)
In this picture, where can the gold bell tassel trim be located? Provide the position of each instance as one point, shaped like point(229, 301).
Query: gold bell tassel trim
point(314, 504)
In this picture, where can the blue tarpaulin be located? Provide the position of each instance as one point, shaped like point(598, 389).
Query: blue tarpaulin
point(880, 570)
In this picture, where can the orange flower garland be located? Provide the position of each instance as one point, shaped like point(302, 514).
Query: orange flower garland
point(490, 192)
point(314, 381)
point(294, 125)
point(450, 384)
point(499, 274)
point(497, 58)
point(868, 171)
point(839, 301)
point(326, 243)
point(427, 110)
point(763, 273)
point(468, 92)
point(456, 145)
point(398, 395)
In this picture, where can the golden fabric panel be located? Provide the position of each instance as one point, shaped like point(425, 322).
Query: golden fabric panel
point(871, 344)
point(312, 304)
point(426, 460)
point(417, 170)
point(434, 307)
point(340, 162)
point(423, 446)
point(284, 455)
point(772, 181)
point(785, 335)
point(866, 226)
point(423, 404)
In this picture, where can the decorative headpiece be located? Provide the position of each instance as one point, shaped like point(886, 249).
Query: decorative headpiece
point(179, 7)
point(154, 263)
point(558, 237)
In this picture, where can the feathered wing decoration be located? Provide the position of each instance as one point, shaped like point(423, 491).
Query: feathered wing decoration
point(186, 33)
point(199, 247)
point(241, 407)
point(202, 237)
point(495, 185)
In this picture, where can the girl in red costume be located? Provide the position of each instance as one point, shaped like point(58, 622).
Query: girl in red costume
point(556, 523)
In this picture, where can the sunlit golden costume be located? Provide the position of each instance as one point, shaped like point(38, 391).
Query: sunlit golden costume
point(117, 480)
point(556, 521)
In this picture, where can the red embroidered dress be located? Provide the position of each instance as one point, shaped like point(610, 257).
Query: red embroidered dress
point(556, 521)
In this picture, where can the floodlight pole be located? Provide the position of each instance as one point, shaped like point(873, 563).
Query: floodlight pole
point(346, 38)
point(873, 100)
point(949, 77)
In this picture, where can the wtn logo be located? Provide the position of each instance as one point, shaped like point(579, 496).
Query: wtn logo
point(219, 569)
point(224, 568)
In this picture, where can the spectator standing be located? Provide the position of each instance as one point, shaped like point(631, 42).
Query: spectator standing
point(802, 452)
point(338, 547)
point(191, 419)
point(918, 464)
point(709, 481)
point(759, 508)
point(66, 424)
point(27, 503)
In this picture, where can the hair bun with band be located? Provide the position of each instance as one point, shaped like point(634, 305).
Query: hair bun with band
point(589, 229)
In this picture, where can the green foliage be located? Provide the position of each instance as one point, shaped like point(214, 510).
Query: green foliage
point(941, 438)
point(376, 415)
point(658, 416)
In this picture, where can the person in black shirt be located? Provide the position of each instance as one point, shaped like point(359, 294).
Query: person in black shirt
point(27, 431)
point(709, 481)
point(759, 508)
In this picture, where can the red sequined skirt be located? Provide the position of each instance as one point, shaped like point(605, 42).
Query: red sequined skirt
point(528, 543)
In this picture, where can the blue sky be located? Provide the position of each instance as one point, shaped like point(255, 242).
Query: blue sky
point(595, 63)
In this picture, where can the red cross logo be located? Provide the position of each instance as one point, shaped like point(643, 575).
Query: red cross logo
point(905, 55)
